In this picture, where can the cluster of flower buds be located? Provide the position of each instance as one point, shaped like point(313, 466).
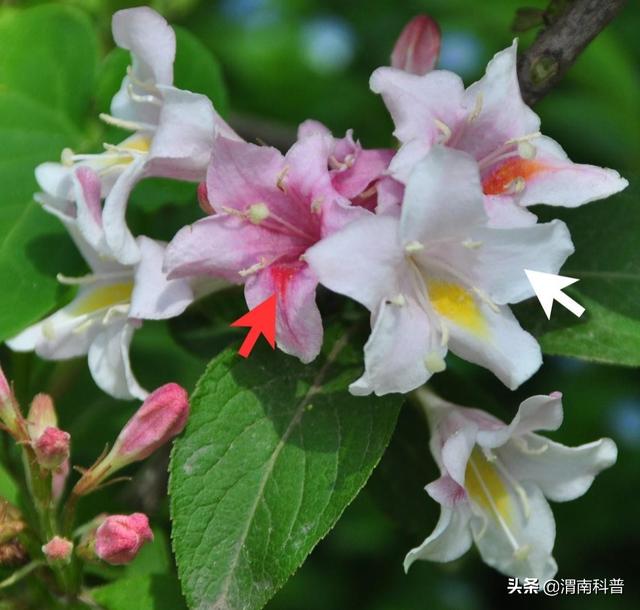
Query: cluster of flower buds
point(115, 539)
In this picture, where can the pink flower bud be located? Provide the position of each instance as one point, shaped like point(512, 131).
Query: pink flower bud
point(162, 416)
point(203, 199)
point(58, 550)
point(6, 393)
point(120, 537)
point(418, 46)
point(52, 447)
point(9, 411)
point(42, 415)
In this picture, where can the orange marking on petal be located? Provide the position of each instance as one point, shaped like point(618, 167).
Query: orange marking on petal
point(501, 177)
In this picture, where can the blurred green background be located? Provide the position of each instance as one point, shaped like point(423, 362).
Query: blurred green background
point(287, 60)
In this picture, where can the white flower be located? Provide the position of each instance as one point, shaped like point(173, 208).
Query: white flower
point(173, 133)
point(111, 301)
point(438, 277)
point(495, 479)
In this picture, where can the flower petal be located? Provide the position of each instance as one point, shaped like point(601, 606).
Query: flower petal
point(499, 344)
point(298, 322)
point(109, 361)
point(450, 539)
point(416, 103)
point(362, 261)
point(402, 352)
point(154, 297)
point(562, 473)
point(559, 181)
point(223, 245)
point(498, 112)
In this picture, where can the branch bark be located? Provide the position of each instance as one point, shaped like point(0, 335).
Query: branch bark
point(557, 46)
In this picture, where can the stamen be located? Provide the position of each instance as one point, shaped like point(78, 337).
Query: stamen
point(67, 157)
point(316, 205)
point(444, 339)
point(413, 246)
point(398, 300)
point(143, 99)
point(485, 298)
point(477, 108)
point(258, 212)
point(522, 444)
point(335, 164)
point(91, 278)
point(146, 85)
point(368, 193)
point(444, 129)
point(517, 185)
point(522, 494)
point(281, 178)
point(526, 150)
point(124, 124)
point(434, 362)
point(253, 269)
point(471, 244)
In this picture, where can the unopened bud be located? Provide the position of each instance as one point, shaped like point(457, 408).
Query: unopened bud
point(42, 415)
point(417, 49)
point(52, 447)
point(162, 416)
point(203, 199)
point(59, 479)
point(120, 537)
point(9, 412)
point(58, 551)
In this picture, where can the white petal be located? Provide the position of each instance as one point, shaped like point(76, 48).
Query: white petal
point(109, 361)
point(443, 197)
point(155, 297)
point(117, 233)
point(503, 347)
point(502, 113)
point(362, 261)
point(401, 350)
point(532, 533)
point(563, 473)
point(450, 539)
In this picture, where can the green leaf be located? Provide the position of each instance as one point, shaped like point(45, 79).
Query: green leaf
point(153, 558)
point(8, 488)
point(33, 245)
point(49, 54)
point(154, 592)
point(273, 453)
point(607, 263)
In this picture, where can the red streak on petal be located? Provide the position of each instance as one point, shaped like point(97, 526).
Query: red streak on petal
point(501, 177)
point(282, 275)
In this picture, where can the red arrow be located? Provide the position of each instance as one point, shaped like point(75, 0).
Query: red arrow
point(262, 321)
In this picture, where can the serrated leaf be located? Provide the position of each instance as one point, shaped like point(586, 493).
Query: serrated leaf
point(273, 452)
point(49, 54)
point(607, 263)
point(154, 592)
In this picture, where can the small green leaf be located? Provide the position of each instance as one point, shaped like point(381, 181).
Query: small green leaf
point(607, 263)
point(49, 54)
point(153, 592)
point(273, 453)
point(8, 488)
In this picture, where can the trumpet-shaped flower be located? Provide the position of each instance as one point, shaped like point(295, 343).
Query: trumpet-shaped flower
point(519, 166)
point(495, 481)
point(439, 277)
point(111, 301)
point(358, 173)
point(269, 209)
point(173, 133)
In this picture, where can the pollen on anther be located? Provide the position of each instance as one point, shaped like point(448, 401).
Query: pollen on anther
point(434, 362)
point(258, 212)
point(526, 150)
point(398, 300)
point(66, 157)
point(413, 246)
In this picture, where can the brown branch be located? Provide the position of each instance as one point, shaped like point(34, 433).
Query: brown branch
point(557, 46)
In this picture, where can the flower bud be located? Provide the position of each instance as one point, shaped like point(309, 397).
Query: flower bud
point(120, 537)
point(52, 448)
point(59, 479)
point(162, 416)
point(417, 49)
point(42, 415)
point(9, 412)
point(58, 551)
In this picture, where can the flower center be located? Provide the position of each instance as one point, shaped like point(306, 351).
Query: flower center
point(104, 297)
point(452, 301)
point(486, 488)
point(508, 174)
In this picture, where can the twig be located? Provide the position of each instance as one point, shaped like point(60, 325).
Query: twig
point(557, 47)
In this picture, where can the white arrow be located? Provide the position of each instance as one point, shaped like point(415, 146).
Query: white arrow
point(548, 288)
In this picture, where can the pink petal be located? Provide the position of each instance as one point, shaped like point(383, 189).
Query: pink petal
point(418, 46)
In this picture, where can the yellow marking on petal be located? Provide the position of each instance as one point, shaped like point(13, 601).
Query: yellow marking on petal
point(105, 296)
point(486, 487)
point(139, 143)
point(458, 305)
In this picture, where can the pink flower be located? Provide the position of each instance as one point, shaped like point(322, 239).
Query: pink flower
point(358, 174)
point(488, 120)
point(58, 550)
point(162, 416)
point(42, 415)
point(269, 209)
point(418, 46)
point(120, 537)
point(52, 447)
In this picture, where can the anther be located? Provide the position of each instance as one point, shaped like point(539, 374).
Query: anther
point(526, 150)
point(471, 244)
point(398, 300)
point(444, 129)
point(281, 178)
point(258, 212)
point(477, 108)
point(66, 158)
point(253, 269)
point(316, 205)
point(413, 246)
point(434, 362)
